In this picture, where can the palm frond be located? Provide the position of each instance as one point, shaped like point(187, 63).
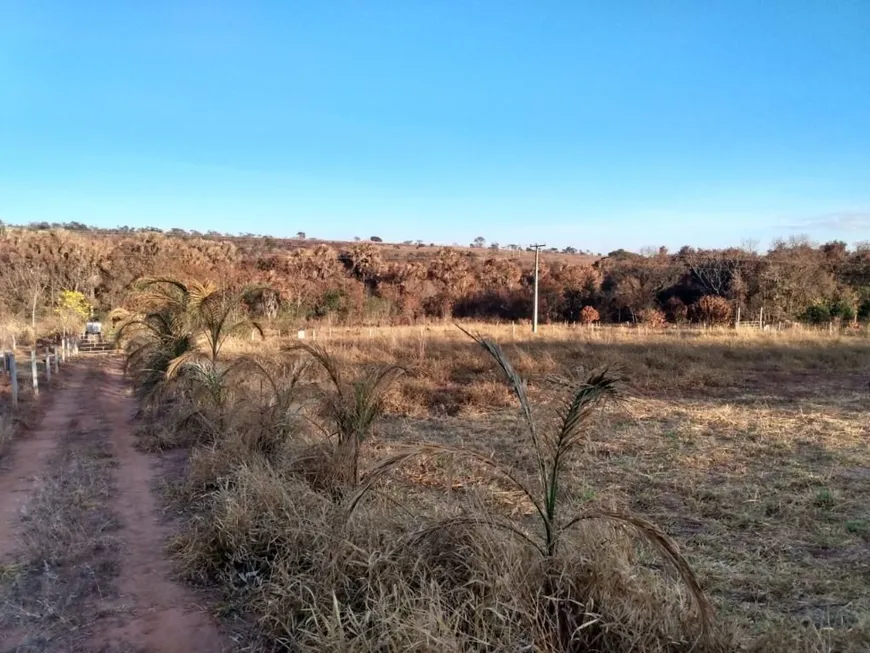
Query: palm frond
point(179, 363)
point(326, 360)
point(669, 549)
point(518, 386)
point(585, 397)
point(488, 521)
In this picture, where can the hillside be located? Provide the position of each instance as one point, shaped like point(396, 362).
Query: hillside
point(305, 279)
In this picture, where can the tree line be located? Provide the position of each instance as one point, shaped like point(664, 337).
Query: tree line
point(794, 280)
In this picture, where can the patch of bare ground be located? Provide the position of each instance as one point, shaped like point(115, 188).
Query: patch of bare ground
point(88, 570)
point(27, 439)
point(165, 616)
point(60, 553)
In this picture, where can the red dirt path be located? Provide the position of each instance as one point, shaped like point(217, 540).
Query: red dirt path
point(162, 616)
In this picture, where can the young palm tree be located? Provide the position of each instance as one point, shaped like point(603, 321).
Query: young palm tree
point(552, 452)
point(155, 339)
point(273, 393)
point(166, 335)
point(353, 406)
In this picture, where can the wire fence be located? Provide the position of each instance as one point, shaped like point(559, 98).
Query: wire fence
point(30, 374)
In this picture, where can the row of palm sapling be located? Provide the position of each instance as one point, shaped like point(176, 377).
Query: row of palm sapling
point(327, 548)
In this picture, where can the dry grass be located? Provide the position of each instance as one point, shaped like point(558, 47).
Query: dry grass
point(316, 584)
point(68, 556)
point(7, 432)
point(748, 448)
point(451, 376)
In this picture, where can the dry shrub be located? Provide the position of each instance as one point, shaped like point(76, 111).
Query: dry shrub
point(13, 331)
point(712, 309)
point(209, 464)
point(321, 575)
point(158, 436)
point(313, 582)
point(421, 398)
point(413, 397)
point(484, 396)
point(653, 318)
point(588, 315)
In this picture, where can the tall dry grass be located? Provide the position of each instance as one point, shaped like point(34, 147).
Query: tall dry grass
point(450, 376)
point(392, 570)
point(416, 567)
point(7, 432)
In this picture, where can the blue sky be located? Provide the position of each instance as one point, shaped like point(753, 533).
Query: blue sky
point(594, 124)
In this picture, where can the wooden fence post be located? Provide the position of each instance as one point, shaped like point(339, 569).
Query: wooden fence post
point(737, 319)
point(56, 361)
point(33, 373)
point(48, 368)
point(761, 318)
point(13, 374)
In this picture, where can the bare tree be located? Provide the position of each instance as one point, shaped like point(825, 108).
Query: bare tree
point(714, 271)
point(27, 284)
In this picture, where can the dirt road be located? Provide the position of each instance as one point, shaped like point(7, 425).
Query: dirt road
point(80, 527)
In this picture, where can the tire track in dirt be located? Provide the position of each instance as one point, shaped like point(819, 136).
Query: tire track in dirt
point(163, 616)
point(29, 454)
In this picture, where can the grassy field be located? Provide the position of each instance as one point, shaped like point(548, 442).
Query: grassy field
point(749, 449)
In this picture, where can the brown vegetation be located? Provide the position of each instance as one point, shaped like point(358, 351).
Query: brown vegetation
point(446, 542)
point(299, 281)
point(712, 309)
point(588, 315)
point(408, 488)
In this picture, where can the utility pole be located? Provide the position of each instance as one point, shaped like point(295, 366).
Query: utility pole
point(537, 249)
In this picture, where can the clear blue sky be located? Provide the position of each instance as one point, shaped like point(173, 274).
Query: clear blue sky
point(596, 124)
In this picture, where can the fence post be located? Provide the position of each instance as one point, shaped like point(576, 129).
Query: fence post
point(33, 373)
point(737, 320)
point(63, 349)
point(56, 361)
point(13, 373)
point(48, 368)
point(761, 318)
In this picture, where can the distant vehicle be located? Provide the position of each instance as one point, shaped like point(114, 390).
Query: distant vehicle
point(94, 331)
